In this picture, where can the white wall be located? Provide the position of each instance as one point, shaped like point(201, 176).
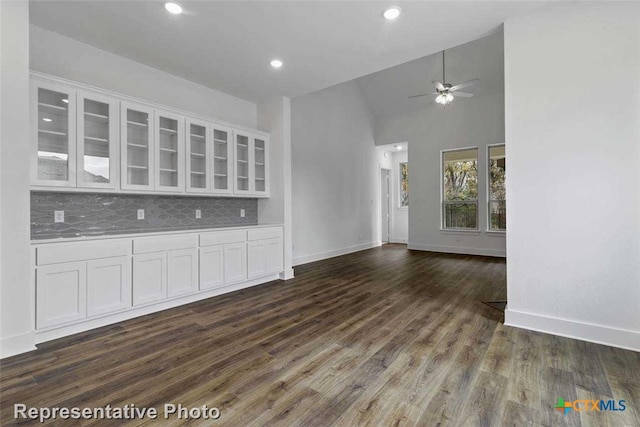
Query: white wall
point(16, 303)
point(399, 216)
point(335, 174)
point(274, 116)
point(473, 122)
point(573, 257)
point(61, 56)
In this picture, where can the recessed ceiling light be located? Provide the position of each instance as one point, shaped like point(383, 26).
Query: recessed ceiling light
point(392, 13)
point(399, 147)
point(46, 119)
point(276, 63)
point(174, 8)
point(65, 100)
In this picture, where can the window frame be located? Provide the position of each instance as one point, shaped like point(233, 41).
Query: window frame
point(488, 189)
point(443, 228)
point(400, 185)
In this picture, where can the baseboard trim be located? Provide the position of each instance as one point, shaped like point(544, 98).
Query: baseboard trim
point(398, 240)
point(614, 337)
point(457, 250)
point(17, 344)
point(334, 253)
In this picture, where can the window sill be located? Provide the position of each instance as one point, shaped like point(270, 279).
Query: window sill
point(460, 231)
point(496, 232)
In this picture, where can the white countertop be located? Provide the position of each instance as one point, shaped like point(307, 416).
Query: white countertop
point(139, 233)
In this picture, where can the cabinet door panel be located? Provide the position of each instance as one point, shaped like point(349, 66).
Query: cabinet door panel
point(211, 267)
point(243, 170)
point(256, 258)
point(182, 270)
point(149, 278)
point(137, 147)
point(108, 285)
point(235, 263)
point(222, 162)
point(169, 142)
point(97, 131)
point(260, 164)
point(198, 145)
point(61, 294)
point(53, 130)
point(274, 255)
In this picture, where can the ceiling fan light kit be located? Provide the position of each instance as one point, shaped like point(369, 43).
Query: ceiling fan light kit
point(445, 91)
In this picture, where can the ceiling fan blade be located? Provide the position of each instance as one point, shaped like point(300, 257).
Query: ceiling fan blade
point(462, 94)
point(438, 85)
point(463, 85)
point(418, 96)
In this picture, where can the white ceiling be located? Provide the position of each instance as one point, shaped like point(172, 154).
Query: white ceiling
point(227, 45)
point(387, 92)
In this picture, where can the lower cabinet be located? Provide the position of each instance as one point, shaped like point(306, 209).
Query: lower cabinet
point(182, 272)
point(61, 293)
point(235, 263)
point(108, 285)
point(264, 257)
point(149, 278)
point(77, 281)
point(211, 267)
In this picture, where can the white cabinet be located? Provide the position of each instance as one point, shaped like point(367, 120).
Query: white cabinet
point(61, 293)
point(251, 164)
point(108, 285)
point(199, 149)
point(137, 147)
point(274, 255)
point(235, 263)
point(182, 272)
point(256, 259)
point(169, 157)
point(264, 251)
point(149, 278)
point(53, 134)
point(211, 267)
point(222, 160)
point(97, 141)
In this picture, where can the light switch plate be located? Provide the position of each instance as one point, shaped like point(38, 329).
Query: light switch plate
point(241, 213)
point(140, 213)
point(198, 214)
point(58, 216)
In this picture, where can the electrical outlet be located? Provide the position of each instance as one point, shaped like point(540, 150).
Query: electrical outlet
point(140, 213)
point(241, 213)
point(58, 216)
point(198, 214)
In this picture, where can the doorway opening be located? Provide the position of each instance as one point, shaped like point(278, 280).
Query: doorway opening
point(385, 205)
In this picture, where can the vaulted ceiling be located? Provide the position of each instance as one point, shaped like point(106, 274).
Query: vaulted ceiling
point(227, 45)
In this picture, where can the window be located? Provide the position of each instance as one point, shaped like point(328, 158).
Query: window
point(497, 191)
point(404, 185)
point(460, 189)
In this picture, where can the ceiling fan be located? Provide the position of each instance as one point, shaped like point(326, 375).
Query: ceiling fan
point(445, 92)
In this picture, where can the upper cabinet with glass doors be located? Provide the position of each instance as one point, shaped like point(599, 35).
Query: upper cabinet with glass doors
point(251, 164)
point(222, 163)
point(169, 137)
point(97, 147)
point(53, 134)
point(137, 147)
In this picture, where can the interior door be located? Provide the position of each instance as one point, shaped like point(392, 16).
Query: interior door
point(385, 199)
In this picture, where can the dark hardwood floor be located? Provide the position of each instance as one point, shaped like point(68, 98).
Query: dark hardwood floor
point(380, 337)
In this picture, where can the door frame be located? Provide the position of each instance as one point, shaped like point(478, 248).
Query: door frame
point(389, 198)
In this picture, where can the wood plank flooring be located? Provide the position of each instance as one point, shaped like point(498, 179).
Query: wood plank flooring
point(385, 337)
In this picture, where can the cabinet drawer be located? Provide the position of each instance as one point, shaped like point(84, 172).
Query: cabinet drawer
point(166, 243)
point(264, 233)
point(81, 251)
point(223, 237)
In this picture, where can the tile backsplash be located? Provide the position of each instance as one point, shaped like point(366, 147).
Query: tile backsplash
point(97, 213)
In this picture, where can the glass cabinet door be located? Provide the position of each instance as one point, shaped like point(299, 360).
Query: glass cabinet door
point(222, 155)
point(169, 149)
point(97, 141)
point(198, 143)
point(242, 169)
point(54, 127)
point(260, 165)
point(137, 147)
